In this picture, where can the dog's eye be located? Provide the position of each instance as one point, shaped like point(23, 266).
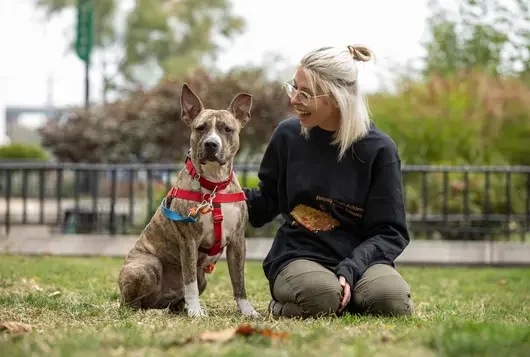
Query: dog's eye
point(228, 130)
point(200, 128)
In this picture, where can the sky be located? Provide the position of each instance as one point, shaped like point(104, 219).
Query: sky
point(36, 69)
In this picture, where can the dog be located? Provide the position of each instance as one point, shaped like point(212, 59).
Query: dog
point(204, 213)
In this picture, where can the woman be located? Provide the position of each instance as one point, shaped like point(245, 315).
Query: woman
point(336, 180)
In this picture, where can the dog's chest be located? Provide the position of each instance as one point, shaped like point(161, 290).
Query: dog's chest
point(231, 213)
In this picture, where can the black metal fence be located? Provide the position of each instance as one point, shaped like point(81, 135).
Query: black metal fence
point(449, 202)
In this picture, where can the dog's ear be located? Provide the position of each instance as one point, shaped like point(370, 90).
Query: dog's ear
point(190, 105)
point(240, 107)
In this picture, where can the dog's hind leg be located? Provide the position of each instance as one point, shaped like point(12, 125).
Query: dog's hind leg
point(140, 282)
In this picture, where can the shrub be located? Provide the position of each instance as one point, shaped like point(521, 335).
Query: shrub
point(146, 127)
point(20, 151)
point(461, 119)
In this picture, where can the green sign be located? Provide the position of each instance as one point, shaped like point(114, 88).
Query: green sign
point(83, 43)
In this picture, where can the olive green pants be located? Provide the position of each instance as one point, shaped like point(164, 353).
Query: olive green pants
point(307, 289)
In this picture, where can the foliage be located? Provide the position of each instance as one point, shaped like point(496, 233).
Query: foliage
point(146, 127)
point(489, 35)
point(466, 118)
point(155, 39)
point(20, 151)
point(202, 21)
point(463, 118)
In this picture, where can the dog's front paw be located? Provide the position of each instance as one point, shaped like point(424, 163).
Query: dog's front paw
point(196, 311)
point(254, 314)
point(247, 309)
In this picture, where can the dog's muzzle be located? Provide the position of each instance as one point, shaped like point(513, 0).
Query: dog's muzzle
point(211, 147)
point(210, 152)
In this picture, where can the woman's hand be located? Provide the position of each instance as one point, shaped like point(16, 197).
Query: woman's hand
point(346, 293)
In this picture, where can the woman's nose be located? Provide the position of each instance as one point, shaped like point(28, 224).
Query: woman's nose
point(294, 99)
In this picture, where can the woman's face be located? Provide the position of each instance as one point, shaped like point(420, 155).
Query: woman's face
point(313, 109)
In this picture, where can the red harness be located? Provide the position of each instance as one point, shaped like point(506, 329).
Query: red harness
point(209, 202)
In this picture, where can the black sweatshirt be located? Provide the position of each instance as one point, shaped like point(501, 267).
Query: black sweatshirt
point(346, 215)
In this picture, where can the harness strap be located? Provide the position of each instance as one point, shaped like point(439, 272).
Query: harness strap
point(217, 214)
point(199, 197)
point(174, 216)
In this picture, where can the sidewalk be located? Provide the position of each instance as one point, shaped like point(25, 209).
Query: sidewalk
point(38, 240)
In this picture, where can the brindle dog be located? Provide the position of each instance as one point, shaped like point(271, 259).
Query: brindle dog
point(205, 212)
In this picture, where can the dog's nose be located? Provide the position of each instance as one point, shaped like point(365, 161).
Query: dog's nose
point(211, 145)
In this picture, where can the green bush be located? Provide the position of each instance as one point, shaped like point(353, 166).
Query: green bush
point(20, 151)
point(463, 119)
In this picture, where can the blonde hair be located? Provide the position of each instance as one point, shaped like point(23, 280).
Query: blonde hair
point(334, 70)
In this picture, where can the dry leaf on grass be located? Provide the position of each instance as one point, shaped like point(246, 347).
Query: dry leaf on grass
point(15, 328)
point(249, 330)
point(229, 333)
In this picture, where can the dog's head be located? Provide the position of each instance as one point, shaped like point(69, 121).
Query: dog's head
point(214, 133)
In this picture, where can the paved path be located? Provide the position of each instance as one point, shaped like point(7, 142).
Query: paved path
point(40, 240)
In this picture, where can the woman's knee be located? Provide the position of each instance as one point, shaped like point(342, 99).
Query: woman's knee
point(320, 295)
point(389, 297)
point(312, 288)
point(385, 292)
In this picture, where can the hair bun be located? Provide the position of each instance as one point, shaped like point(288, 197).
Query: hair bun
point(360, 53)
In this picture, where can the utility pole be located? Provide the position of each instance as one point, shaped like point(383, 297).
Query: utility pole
point(84, 40)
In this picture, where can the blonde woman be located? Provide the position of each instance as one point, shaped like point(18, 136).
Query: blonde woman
point(336, 179)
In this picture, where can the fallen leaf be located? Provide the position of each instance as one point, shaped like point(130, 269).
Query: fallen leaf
point(229, 333)
point(218, 336)
point(15, 328)
point(246, 330)
point(249, 330)
point(502, 282)
point(275, 335)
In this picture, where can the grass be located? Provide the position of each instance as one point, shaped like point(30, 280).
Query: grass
point(73, 305)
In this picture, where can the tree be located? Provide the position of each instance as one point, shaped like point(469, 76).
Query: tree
point(478, 36)
point(156, 39)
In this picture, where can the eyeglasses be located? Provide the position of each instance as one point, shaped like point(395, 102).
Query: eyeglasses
point(302, 96)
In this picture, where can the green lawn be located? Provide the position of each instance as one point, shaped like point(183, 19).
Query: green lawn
point(73, 305)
